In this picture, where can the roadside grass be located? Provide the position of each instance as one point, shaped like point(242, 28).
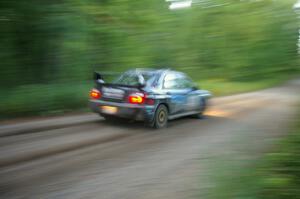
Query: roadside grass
point(52, 99)
point(221, 87)
point(276, 175)
point(280, 173)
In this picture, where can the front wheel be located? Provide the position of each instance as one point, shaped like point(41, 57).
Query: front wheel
point(161, 117)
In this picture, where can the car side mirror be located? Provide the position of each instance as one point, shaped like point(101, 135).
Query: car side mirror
point(195, 87)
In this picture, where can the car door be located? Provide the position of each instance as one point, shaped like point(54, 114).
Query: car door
point(193, 95)
point(174, 86)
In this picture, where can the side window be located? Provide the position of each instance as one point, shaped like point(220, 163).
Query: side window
point(170, 81)
point(177, 81)
point(186, 82)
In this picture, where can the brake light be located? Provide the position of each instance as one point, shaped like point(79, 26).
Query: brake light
point(95, 94)
point(137, 98)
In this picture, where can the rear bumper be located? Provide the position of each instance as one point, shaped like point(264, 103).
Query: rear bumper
point(125, 110)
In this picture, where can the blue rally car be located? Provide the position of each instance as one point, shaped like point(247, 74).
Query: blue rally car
point(152, 96)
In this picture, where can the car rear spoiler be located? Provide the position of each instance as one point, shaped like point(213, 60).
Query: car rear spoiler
point(98, 77)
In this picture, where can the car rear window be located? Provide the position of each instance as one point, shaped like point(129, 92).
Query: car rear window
point(132, 79)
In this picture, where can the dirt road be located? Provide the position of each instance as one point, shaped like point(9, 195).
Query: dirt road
point(86, 157)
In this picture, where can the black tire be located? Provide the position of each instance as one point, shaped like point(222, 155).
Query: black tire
point(161, 117)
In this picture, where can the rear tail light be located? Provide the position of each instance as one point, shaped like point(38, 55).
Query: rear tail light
point(95, 94)
point(137, 98)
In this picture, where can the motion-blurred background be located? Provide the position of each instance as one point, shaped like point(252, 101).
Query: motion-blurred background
point(247, 146)
point(49, 49)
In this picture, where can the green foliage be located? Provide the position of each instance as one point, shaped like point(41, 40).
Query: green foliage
point(50, 42)
point(276, 175)
point(221, 87)
point(44, 99)
point(281, 173)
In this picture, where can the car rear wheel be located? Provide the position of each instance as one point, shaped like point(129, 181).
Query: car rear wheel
point(161, 117)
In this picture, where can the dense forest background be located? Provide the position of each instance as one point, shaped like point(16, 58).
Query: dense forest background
point(49, 49)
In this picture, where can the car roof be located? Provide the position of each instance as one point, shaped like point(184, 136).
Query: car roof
point(159, 72)
point(147, 71)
